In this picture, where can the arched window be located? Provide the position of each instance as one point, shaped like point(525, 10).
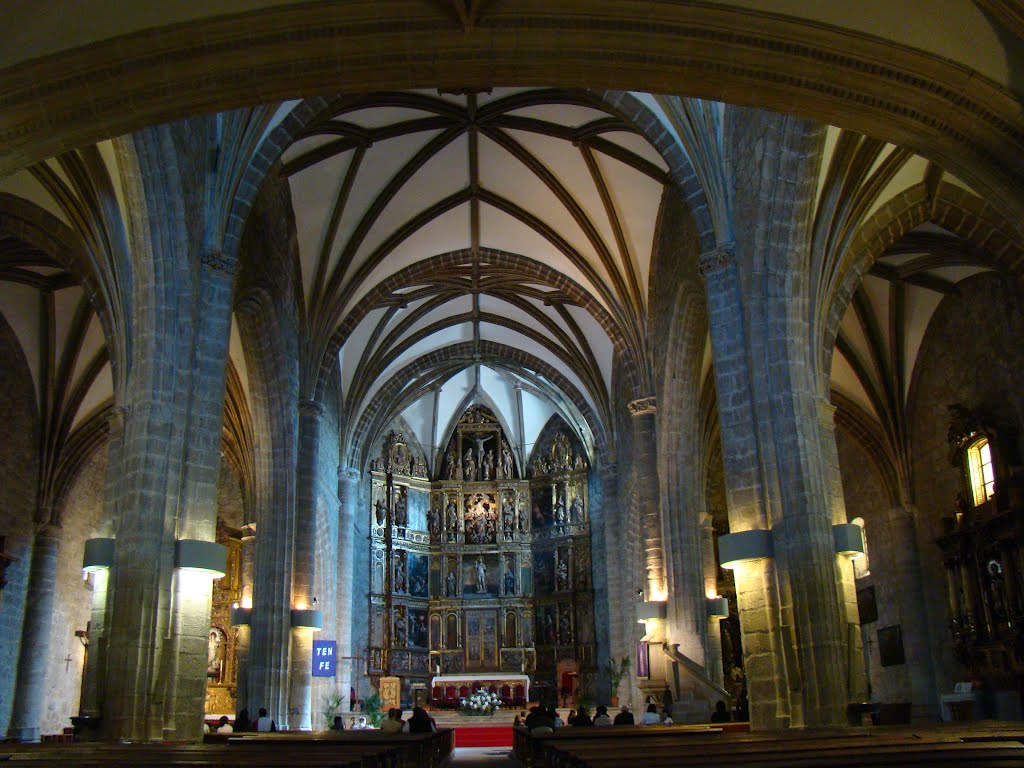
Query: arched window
point(861, 565)
point(982, 473)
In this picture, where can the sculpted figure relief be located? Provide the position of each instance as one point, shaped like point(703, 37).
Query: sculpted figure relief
point(450, 464)
point(481, 576)
point(469, 472)
point(577, 510)
point(506, 460)
point(381, 510)
point(487, 468)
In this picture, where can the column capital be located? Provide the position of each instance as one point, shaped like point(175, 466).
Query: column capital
point(826, 412)
point(717, 259)
point(116, 417)
point(348, 473)
point(643, 406)
point(216, 261)
point(48, 529)
point(308, 407)
point(248, 531)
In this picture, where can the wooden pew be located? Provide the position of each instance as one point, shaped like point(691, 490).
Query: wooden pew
point(987, 745)
point(369, 749)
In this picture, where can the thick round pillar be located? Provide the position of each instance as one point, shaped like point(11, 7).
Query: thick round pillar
point(348, 496)
point(30, 693)
point(301, 657)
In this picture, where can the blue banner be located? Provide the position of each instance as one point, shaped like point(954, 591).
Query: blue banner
point(325, 658)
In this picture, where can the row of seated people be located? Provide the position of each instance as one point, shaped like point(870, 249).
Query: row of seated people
point(450, 696)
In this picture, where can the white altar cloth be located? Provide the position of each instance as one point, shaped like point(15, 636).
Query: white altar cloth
point(483, 680)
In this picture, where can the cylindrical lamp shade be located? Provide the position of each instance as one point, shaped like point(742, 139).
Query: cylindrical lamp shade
point(650, 610)
point(718, 608)
point(745, 545)
point(241, 617)
point(99, 554)
point(198, 555)
point(849, 539)
point(310, 618)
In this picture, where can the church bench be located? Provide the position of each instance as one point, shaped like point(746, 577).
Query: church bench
point(785, 754)
point(368, 749)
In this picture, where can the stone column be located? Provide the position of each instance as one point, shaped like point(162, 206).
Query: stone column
point(757, 591)
point(248, 559)
point(184, 670)
point(30, 694)
point(903, 548)
point(713, 647)
point(645, 468)
point(300, 677)
point(99, 618)
point(348, 496)
point(180, 307)
point(846, 587)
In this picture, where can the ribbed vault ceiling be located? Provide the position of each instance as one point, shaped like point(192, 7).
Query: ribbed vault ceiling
point(521, 219)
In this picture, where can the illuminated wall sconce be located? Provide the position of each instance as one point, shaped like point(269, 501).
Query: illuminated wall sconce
point(308, 618)
point(197, 555)
point(717, 608)
point(849, 539)
point(240, 617)
point(744, 546)
point(649, 610)
point(99, 555)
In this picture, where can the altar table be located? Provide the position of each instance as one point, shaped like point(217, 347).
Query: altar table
point(482, 680)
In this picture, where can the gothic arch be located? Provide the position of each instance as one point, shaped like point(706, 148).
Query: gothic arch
point(962, 213)
point(913, 98)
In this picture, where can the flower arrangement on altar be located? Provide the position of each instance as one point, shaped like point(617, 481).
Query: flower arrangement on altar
point(480, 703)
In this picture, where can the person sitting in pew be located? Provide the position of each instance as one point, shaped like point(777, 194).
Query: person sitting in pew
point(394, 723)
point(265, 723)
point(625, 717)
point(721, 714)
point(601, 719)
point(421, 722)
point(243, 722)
point(338, 724)
point(583, 719)
point(539, 721)
point(223, 726)
point(651, 716)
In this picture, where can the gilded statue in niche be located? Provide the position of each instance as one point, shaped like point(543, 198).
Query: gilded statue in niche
point(487, 465)
point(506, 461)
point(469, 473)
point(481, 576)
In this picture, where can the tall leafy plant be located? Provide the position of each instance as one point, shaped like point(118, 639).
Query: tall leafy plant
point(616, 670)
point(332, 705)
point(372, 709)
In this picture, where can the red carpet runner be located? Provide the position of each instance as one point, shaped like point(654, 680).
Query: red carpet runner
point(488, 736)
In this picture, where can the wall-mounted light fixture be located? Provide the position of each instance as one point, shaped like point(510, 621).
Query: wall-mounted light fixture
point(717, 607)
point(744, 546)
point(310, 618)
point(649, 610)
point(849, 539)
point(240, 617)
point(99, 555)
point(197, 555)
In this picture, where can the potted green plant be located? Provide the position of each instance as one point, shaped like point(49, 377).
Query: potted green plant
point(372, 709)
point(616, 670)
point(332, 705)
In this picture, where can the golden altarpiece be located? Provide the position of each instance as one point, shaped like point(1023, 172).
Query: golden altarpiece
point(481, 570)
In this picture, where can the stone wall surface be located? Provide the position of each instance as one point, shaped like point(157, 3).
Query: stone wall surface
point(866, 498)
point(80, 521)
point(971, 354)
point(18, 468)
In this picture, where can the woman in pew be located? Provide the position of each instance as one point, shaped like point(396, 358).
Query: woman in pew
point(582, 719)
point(650, 716)
point(420, 722)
